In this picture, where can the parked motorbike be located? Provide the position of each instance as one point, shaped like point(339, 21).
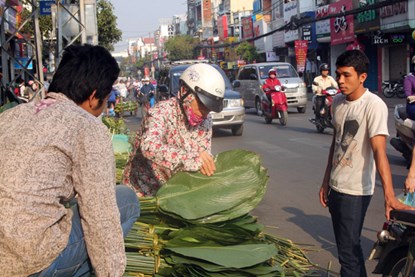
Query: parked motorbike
point(405, 133)
point(323, 121)
point(395, 248)
point(390, 89)
point(277, 108)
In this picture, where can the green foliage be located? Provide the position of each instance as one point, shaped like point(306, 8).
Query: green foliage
point(108, 32)
point(220, 199)
point(115, 125)
point(247, 51)
point(45, 24)
point(181, 47)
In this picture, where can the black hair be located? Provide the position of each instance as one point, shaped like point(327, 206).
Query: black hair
point(83, 69)
point(354, 58)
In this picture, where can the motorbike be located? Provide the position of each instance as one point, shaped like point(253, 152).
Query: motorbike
point(405, 133)
point(324, 120)
point(394, 249)
point(390, 89)
point(277, 108)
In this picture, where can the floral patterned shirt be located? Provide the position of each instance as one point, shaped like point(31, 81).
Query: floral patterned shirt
point(165, 144)
point(49, 152)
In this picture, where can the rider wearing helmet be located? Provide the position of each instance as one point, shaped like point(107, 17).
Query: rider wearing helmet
point(176, 134)
point(320, 83)
point(270, 83)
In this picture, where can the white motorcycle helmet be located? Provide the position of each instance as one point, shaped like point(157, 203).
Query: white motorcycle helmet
point(207, 83)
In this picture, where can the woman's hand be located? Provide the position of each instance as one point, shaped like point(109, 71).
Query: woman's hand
point(208, 164)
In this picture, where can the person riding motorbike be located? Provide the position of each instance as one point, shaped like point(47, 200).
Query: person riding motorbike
point(409, 88)
point(270, 84)
point(147, 90)
point(320, 83)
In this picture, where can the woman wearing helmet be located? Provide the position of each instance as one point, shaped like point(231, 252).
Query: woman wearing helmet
point(270, 83)
point(320, 83)
point(176, 134)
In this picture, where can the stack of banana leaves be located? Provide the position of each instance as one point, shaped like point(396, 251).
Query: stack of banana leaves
point(201, 226)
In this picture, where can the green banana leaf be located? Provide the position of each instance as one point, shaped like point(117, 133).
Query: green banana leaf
point(234, 256)
point(209, 268)
point(239, 180)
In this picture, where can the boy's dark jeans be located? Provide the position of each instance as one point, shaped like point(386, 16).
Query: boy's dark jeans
point(348, 214)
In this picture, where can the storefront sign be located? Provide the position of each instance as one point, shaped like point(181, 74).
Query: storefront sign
point(397, 15)
point(367, 21)
point(223, 27)
point(301, 54)
point(247, 27)
point(207, 12)
point(290, 10)
point(307, 33)
point(389, 39)
point(342, 27)
point(259, 30)
point(322, 26)
point(45, 7)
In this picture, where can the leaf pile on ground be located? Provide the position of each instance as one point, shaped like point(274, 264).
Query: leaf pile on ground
point(201, 226)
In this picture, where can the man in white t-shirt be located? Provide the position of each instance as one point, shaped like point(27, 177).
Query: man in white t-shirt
point(358, 149)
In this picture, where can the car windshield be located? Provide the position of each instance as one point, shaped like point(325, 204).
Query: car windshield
point(283, 71)
point(177, 74)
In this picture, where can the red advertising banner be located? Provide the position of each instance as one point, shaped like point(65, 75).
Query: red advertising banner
point(301, 47)
point(342, 27)
point(223, 27)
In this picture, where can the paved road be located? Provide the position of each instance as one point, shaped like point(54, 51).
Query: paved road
point(295, 156)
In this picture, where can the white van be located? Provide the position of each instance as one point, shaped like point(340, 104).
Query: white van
point(251, 77)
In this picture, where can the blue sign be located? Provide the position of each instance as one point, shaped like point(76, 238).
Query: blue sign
point(24, 62)
point(45, 7)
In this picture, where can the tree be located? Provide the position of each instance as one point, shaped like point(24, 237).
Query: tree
point(108, 32)
point(181, 47)
point(45, 24)
point(247, 51)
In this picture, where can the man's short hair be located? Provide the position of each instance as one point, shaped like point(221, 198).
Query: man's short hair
point(83, 69)
point(354, 58)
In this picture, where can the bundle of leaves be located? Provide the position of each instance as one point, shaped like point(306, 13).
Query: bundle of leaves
point(115, 125)
point(126, 106)
point(201, 226)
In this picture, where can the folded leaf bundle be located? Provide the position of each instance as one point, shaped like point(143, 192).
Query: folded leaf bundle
point(235, 189)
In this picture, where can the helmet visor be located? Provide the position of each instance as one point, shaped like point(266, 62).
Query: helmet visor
point(211, 102)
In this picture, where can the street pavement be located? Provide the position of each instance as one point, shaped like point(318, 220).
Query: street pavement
point(295, 156)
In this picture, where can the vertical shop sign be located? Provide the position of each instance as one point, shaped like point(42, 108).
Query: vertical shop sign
point(223, 27)
point(342, 27)
point(301, 47)
point(247, 27)
point(207, 11)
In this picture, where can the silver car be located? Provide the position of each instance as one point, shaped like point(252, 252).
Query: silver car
point(233, 114)
point(251, 77)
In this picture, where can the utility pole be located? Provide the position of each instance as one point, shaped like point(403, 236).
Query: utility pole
point(70, 24)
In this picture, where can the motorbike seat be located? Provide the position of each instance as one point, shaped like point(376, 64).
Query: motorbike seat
point(406, 216)
point(402, 112)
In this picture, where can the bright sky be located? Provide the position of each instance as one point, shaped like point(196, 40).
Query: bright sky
point(137, 18)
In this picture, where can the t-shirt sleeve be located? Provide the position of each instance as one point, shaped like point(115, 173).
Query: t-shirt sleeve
point(377, 118)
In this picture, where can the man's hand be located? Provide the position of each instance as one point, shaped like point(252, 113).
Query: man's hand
point(410, 183)
point(208, 164)
point(395, 204)
point(324, 193)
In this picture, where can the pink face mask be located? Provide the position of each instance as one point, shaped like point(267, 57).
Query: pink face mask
point(193, 118)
